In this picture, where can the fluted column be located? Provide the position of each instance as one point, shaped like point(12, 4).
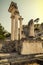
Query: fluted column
point(16, 27)
point(12, 27)
point(20, 19)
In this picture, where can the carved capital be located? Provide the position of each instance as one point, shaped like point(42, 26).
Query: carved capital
point(20, 18)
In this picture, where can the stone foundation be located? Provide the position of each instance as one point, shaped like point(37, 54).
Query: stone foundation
point(31, 47)
point(25, 64)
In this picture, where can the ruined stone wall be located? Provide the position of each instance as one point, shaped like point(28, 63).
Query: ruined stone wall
point(19, 63)
point(32, 47)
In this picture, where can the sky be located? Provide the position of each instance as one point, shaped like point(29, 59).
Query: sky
point(29, 9)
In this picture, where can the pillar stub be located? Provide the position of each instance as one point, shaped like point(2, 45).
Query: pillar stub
point(31, 28)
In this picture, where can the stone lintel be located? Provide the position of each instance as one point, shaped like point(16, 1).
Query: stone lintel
point(10, 9)
point(13, 5)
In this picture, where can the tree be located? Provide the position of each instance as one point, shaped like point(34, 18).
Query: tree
point(8, 35)
point(2, 32)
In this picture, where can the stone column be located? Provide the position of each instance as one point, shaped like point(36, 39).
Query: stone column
point(12, 28)
point(20, 19)
point(13, 9)
point(31, 28)
point(16, 27)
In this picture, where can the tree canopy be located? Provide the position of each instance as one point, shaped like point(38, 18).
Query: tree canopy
point(3, 33)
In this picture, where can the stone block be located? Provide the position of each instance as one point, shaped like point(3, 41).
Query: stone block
point(31, 47)
point(5, 64)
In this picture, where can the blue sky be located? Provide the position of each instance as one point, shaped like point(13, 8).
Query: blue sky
point(29, 9)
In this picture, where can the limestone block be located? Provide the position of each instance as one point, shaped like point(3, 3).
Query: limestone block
point(31, 47)
point(5, 64)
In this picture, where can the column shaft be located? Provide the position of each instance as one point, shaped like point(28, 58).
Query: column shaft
point(20, 19)
point(20, 29)
point(16, 27)
point(31, 32)
point(12, 29)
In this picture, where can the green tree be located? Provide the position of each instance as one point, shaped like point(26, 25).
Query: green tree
point(8, 34)
point(2, 32)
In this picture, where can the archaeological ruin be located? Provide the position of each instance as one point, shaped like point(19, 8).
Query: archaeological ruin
point(23, 48)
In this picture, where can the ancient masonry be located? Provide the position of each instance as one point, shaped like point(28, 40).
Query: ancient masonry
point(15, 16)
point(31, 28)
point(21, 51)
point(35, 46)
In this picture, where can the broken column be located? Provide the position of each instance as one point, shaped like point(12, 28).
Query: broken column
point(31, 28)
point(20, 19)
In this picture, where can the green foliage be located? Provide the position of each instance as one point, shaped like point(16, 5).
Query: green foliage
point(2, 32)
point(8, 35)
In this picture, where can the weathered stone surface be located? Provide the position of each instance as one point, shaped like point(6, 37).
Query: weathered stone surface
point(31, 28)
point(5, 64)
point(31, 47)
point(13, 5)
point(13, 9)
point(8, 46)
point(20, 19)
